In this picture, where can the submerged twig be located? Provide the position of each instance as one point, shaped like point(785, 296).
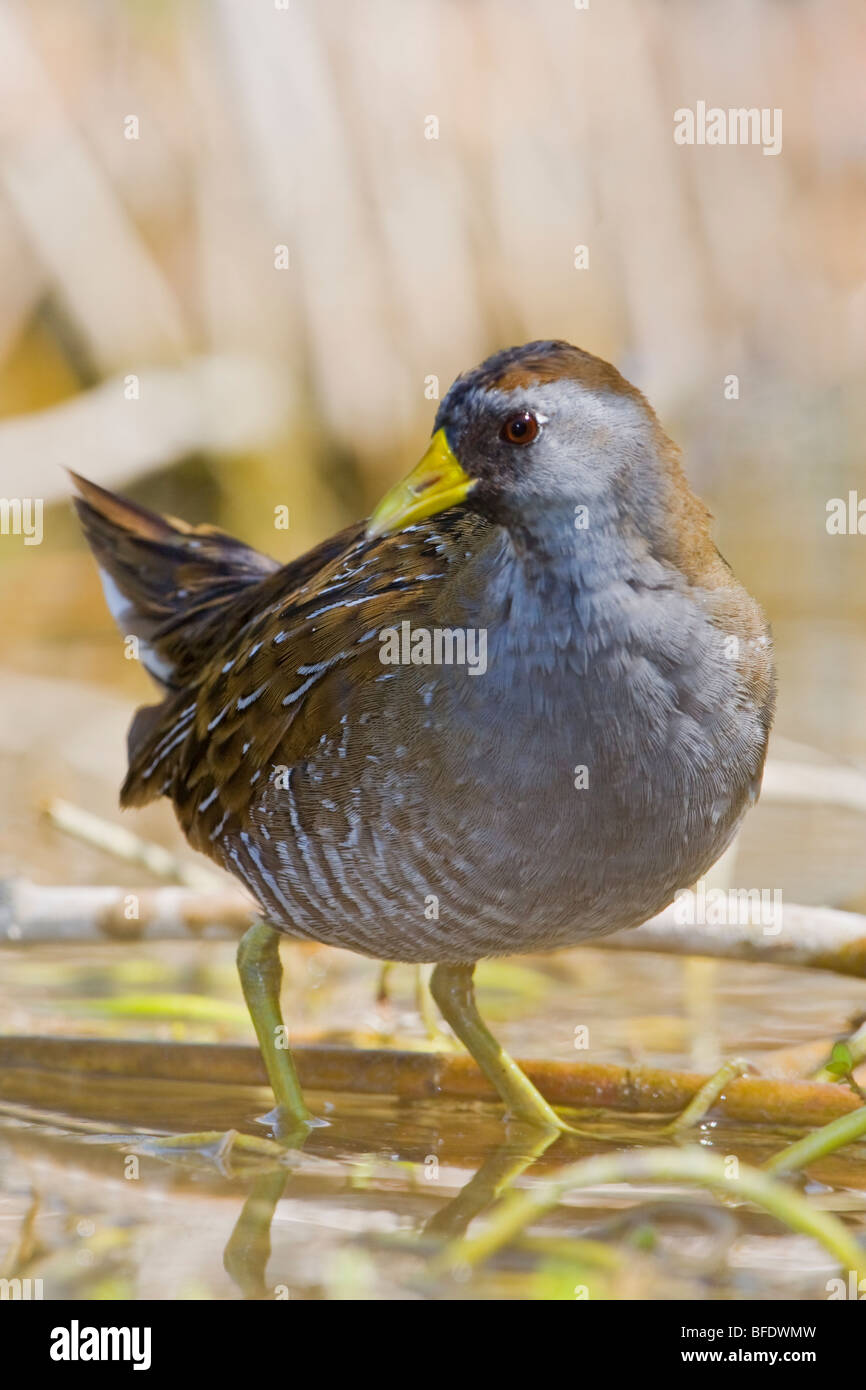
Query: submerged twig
point(422, 1075)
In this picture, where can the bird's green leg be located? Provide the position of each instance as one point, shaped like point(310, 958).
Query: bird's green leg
point(261, 975)
point(442, 1041)
point(452, 988)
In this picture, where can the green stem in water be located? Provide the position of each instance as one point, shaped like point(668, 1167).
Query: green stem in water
point(712, 1089)
point(691, 1165)
point(846, 1054)
point(819, 1143)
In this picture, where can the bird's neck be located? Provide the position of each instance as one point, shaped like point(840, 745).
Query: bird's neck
point(545, 571)
point(545, 547)
point(555, 554)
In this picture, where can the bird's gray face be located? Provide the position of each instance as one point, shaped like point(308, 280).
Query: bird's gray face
point(525, 438)
point(543, 448)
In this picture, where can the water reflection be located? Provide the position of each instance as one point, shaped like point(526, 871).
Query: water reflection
point(363, 1210)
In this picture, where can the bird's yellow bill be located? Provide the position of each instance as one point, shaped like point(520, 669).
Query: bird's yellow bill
point(435, 483)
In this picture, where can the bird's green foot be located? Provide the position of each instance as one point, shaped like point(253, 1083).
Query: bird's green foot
point(220, 1147)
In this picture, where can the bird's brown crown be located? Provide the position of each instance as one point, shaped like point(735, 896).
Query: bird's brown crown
point(537, 363)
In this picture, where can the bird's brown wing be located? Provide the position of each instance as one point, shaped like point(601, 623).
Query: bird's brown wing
point(283, 676)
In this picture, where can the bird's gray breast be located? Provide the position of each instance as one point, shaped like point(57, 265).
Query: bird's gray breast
point(600, 761)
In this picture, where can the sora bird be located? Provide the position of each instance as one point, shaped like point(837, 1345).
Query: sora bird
point(324, 735)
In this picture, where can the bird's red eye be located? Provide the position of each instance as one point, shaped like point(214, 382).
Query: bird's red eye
point(520, 429)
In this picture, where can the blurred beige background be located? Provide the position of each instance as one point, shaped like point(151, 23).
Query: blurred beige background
point(411, 257)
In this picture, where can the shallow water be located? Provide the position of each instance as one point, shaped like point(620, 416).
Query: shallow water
point(346, 1216)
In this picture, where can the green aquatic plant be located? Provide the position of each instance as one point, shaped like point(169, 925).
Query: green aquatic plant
point(692, 1166)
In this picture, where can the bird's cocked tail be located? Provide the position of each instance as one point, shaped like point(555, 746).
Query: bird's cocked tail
point(165, 582)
